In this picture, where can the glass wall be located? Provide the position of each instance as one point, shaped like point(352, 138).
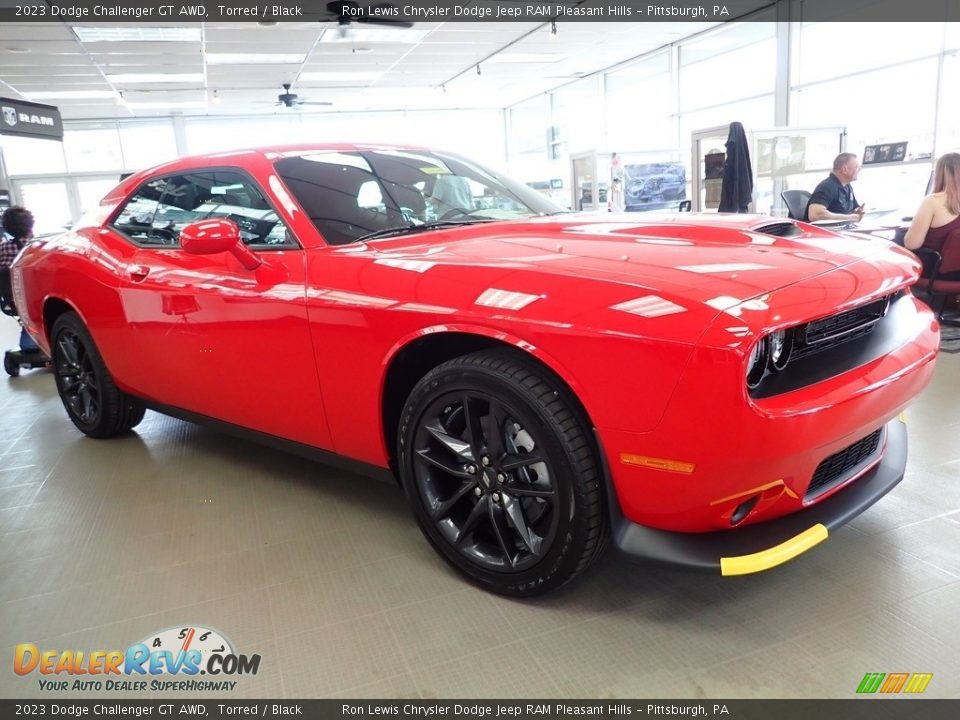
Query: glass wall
point(530, 139)
point(728, 65)
point(883, 82)
point(640, 106)
point(145, 144)
point(478, 133)
point(71, 177)
point(884, 91)
point(948, 128)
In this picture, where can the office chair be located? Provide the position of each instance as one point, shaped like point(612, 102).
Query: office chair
point(796, 201)
point(937, 265)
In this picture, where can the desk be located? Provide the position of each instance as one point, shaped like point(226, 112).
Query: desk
point(834, 224)
point(892, 232)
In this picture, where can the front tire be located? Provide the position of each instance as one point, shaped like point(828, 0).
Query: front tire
point(89, 395)
point(501, 472)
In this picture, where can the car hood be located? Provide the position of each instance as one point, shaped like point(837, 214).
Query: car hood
point(698, 258)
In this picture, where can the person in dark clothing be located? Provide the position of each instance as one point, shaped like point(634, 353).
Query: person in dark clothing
point(833, 198)
point(736, 192)
point(18, 223)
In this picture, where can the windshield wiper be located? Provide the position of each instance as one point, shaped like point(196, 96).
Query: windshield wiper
point(408, 229)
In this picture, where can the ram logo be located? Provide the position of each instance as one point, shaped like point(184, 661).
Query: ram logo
point(9, 116)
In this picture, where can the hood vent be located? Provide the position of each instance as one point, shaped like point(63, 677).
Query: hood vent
point(781, 229)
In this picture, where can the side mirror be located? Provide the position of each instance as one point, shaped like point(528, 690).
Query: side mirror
point(209, 237)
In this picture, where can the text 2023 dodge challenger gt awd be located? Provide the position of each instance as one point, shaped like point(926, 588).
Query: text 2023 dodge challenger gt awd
point(715, 391)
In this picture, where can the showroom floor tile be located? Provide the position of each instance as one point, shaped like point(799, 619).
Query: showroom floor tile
point(325, 575)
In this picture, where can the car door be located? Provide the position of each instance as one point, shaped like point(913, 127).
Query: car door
point(208, 335)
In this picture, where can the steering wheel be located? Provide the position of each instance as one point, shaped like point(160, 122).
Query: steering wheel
point(165, 235)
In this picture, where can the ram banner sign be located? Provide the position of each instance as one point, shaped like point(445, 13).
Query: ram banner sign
point(27, 119)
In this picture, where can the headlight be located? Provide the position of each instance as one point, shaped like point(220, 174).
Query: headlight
point(781, 343)
point(757, 362)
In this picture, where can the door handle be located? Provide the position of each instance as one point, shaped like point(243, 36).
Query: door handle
point(138, 273)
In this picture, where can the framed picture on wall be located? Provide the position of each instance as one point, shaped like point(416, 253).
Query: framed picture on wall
point(888, 152)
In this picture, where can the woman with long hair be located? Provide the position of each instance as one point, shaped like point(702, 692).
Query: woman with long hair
point(939, 213)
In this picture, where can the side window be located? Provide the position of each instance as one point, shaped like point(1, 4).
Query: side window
point(136, 218)
point(233, 196)
point(169, 204)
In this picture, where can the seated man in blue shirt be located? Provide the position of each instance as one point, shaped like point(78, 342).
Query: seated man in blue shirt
point(833, 199)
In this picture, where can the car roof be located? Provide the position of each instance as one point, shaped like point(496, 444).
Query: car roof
point(240, 157)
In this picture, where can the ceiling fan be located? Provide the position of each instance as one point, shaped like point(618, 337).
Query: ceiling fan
point(290, 100)
point(345, 12)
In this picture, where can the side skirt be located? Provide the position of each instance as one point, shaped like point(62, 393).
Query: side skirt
point(307, 451)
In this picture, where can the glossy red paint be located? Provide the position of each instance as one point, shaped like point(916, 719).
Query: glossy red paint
point(649, 320)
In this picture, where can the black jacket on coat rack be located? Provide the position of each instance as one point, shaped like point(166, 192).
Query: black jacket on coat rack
point(737, 189)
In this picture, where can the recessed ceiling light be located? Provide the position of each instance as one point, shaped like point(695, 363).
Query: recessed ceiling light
point(18, 50)
point(254, 58)
point(122, 78)
point(137, 34)
point(337, 76)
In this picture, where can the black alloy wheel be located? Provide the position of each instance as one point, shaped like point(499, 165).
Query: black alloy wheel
point(89, 395)
point(77, 379)
point(488, 490)
point(501, 473)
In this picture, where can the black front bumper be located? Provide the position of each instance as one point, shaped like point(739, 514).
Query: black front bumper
point(764, 545)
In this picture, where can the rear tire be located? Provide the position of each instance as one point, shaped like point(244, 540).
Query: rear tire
point(91, 398)
point(499, 466)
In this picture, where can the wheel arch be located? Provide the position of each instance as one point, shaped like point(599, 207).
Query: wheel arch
point(53, 308)
point(414, 356)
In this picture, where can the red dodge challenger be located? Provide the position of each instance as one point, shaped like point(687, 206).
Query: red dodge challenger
point(712, 391)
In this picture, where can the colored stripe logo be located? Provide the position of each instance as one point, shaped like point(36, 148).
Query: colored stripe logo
point(892, 683)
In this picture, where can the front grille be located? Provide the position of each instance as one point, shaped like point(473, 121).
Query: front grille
point(828, 332)
point(839, 464)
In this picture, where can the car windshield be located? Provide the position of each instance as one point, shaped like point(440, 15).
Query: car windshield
point(350, 195)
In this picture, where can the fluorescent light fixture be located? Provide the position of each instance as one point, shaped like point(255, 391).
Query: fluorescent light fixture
point(404, 36)
point(649, 306)
point(254, 58)
point(137, 34)
point(519, 57)
point(160, 105)
point(72, 95)
point(122, 78)
point(506, 299)
point(337, 76)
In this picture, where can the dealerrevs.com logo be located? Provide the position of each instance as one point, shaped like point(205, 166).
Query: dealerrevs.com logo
point(169, 660)
point(894, 683)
